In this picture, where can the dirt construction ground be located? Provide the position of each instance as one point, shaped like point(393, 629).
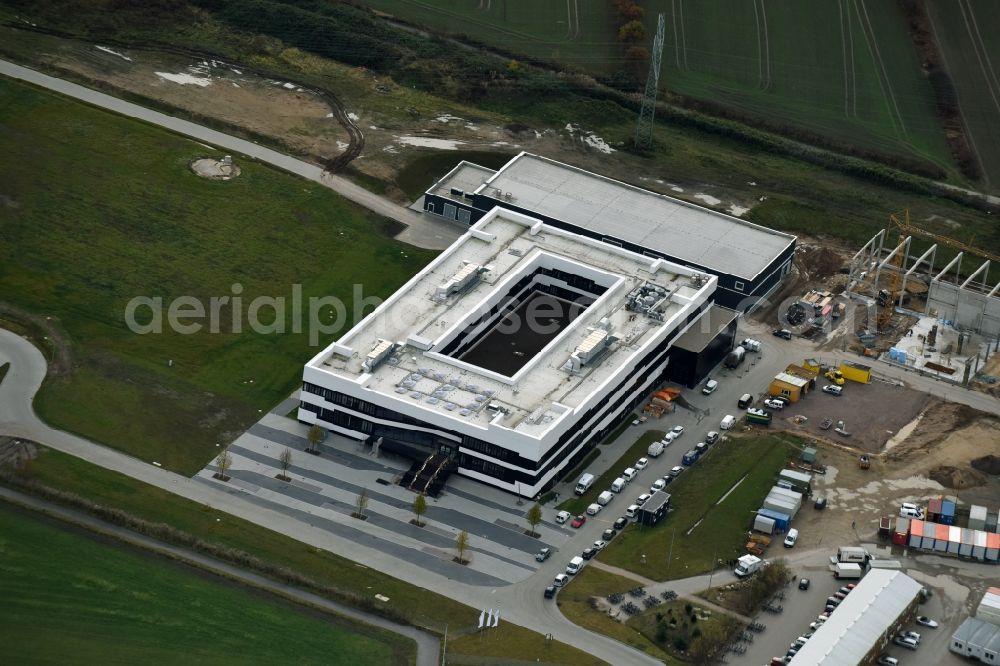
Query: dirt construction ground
point(938, 448)
point(872, 413)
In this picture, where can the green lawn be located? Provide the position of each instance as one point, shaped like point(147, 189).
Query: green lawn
point(699, 528)
point(70, 598)
point(415, 604)
point(603, 482)
point(102, 209)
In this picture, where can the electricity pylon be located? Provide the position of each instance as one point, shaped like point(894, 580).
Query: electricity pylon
point(644, 128)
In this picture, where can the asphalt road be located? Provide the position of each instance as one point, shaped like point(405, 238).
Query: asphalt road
point(422, 230)
point(428, 645)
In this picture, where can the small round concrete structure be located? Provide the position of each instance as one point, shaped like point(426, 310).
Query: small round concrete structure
point(208, 167)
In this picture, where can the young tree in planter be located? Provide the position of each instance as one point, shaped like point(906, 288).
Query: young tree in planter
point(361, 503)
point(534, 516)
point(315, 437)
point(419, 508)
point(462, 545)
point(285, 459)
point(223, 461)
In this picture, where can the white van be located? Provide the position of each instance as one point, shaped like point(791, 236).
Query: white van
point(728, 421)
point(791, 538)
point(631, 511)
point(574, 566)
point(605, 498)
point(584, 484)
point(618, 485)
point(594, 509)
point(908, 510)
point(629, 474)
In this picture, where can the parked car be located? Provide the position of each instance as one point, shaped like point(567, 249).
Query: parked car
point(886, 660)
point(903, 641)
point(659, 484)
point(676, 470)
point(594, 509)
point(579, 521)
point(620, 523)
point(820, 503)
point(925, 621)
point(745, 401)
point(609, 534)
point(783, 333)
point(833, 601)
point(711, 437)
point(599, 545)
point(845, 590)
point(550, 591)
point(774, 404)
point(588, 553)
point(914, 636)
point(782, 398)
point(710, 387)
point(563, 516)
point(543, 554)
point(677, 430)
point(641, 463)
point(791, 538)
point(641, 499)
point(833, 389)
point(560, 580)
point(804, 584)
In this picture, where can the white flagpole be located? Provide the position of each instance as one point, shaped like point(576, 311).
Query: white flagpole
point(482, 615)
point(496, 619)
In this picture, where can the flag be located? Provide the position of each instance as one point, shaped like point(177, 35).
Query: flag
point(482, 615)
point(496, 619)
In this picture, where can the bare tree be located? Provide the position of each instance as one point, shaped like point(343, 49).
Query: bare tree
point(462, 545)
point(315, 436)
point(223, 461)
point(361, 503)
point(419, 508)
point(285, 459)
point(534, 516)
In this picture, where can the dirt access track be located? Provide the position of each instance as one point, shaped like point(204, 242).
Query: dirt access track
point(310, 120)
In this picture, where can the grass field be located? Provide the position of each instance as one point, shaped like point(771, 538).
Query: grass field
point(416, 604)
point(578, 33)
point(603, 482)
point(845, 70)
point(69, 598)
point(966, 33)
point(703, 528)
point(102, 209)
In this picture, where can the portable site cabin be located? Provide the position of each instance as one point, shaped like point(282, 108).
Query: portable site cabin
point(781, 520)
point(808, 455)
point(781, 506)
point(800, 481)
point(947, 512)
point(992, 521)
point(977, 517)
point(954, 539)
point(989, 607)
point(992, 546)
point(934, 510)
point(791, 495)
point(979, 545)
point(790, 386)
point(968, 539)
point(916, 533)
point(885, 527)
point(976, 638)
point(763, 524)
point(941, 538)
point(856, 372)
point(900, 535)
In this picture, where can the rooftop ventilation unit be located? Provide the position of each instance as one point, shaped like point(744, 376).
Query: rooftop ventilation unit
point(590, 351)
point(380, 352)
point(462, 280)
point(698, 279)
point(649, 299)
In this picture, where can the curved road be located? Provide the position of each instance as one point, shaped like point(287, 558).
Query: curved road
point(428, 645)
point(421, 230)
point(521, 603)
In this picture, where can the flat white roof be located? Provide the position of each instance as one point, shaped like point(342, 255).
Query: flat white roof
point(467, 177)
point(860, 621)
point(509, 245)
point(689, 233)
point(794, 380)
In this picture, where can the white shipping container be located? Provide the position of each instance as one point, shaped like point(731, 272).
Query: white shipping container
point(764, 524)
point(954, 539)
point(977, 517)
point(968, 537)
point(989, 607)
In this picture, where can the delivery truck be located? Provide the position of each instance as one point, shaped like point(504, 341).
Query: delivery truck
point(747, 565)
point(848, 570)
point(655, 449)
point(852, 554)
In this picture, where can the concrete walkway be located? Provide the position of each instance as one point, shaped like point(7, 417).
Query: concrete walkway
point(428, 645)
point(421, 230)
